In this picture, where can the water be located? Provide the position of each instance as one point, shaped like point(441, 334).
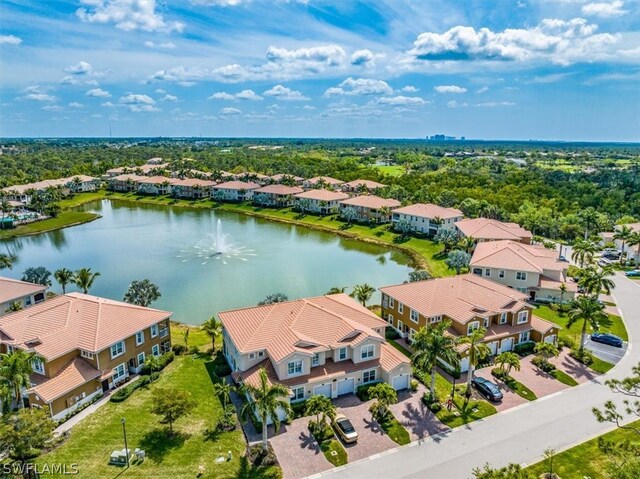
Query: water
point(205, 261)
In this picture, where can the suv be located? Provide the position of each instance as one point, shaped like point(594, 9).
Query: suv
point(487, 389)
point(606, 338)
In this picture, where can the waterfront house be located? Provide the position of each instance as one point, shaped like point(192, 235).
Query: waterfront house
point(322, 182)
point(428, 218)
point(326, 345)
point(234, 191)
point(371, 208)
point(192, 188)
point(485, 229)
point(287, 179)
point(469, 302)
point(320, 201)
point(362, 186)
point(20, 292)
point(127, 183)
point(24, 193)
point(81, 183)
point(87, 345)
point(280, 196)
point(155, 185)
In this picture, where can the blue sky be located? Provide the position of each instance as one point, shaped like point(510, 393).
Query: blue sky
point(504, 69)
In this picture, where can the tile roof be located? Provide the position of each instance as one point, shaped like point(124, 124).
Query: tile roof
point(541, 325)
point(190, 182)
point(12, 289)
point(634, 226)
point(513, 255)
point(281, 176)
point(157, 180)
point(128, 176)
point(327, 179)
point(428, 210)
point(76, 321)
point(323, 195)
point(488, 229)
point(371, 201)
point(280, 190)
point(301, 326)
point(237, 185)
point(372, 185)
point(460, 298)
point(44, 184)
point(73, 375)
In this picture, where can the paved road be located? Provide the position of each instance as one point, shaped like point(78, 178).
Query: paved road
point(605, 352)
point(519, 435)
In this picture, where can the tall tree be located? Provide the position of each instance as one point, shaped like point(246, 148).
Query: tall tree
point(15, 371)
point(37, 275)
point(588, 310)
point(589, 220)
point(594, 280)
point(84, 278)
point(583, 252)
point(477, 352)
point(24, 434)
point(213, 328)
point(171, 404)
point(623, 234)
point(363, 292)
point(274, 298)
point(337, 290)
point(64, 277)
point(142, 293)
point(431, 344)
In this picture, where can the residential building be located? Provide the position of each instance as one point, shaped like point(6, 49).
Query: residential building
point(155, 161)
point(633, 252)
point(322, 182)
point(320, 201)
point(25, 294)
point(485, 229)
point(531, 269)
point(127, 183)
point(280, 196)
point(81, 183)
point(326, 345)
point(469, 302)
point(155, 185)
point(428, 218)
point(371, 208)
point(254, 178)
point(234, 191)
point(149, 169)
point(362, 186)
point(283, 177)
point(193, 188)
point(87, 345)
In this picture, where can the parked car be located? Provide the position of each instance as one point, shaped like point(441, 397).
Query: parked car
point(606, 338)
point(633, 273)
point(345, 429)
point(604, 262)
point(487, 389)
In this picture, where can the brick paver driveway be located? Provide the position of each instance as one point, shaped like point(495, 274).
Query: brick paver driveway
point(371, 438)
point(415, 416)
point(573, 368)
point(538, 381)
point(509, 398)
point(298, 453)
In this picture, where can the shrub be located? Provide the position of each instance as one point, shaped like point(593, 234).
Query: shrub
point(194, 350)
point(421, 376)
point(413, 385)
point(363, 391)
point(391, 333)
point(500, 374)
point(123, 393)
point(259, 458)
point(298, 409)
point(452, 371)
point(435, 407)
point(524, 349)
point(227, 421)
point(163, 360)
point(543, 365)
point(178, 349)
point(321, 431)
point(566, 342)
point(585, 358)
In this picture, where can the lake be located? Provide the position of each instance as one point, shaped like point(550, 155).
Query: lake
point(172, 247)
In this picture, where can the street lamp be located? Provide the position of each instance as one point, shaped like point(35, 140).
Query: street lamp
point(124, 433)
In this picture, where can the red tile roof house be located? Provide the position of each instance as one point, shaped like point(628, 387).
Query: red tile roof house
point(147, 170)
point(325, 345)
point(78, 183)
point(21, 292)
point(322, 182)
point(371, 208)
point(531, 269)
point(428, 218)
point(254, 178)
point(288, 179)
point(469, 302)
point(484, 229)
point(280, 196)
point(362, 186)
point(238, 191)
point(127, 182)
point(88, 345)
point(156, 185)
point(323, 202)
point(192, 188)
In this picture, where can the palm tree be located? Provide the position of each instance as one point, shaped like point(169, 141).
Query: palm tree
point(477, 352)
point(384, 396)
point(84, 278)
point(5, 261)
point(266, 400)
point(467, 243)
point(588, 310)
point(363, 292)
point(223, 389)
point(430, 345)
point(623, 235)
point(213, 328)
point(63, 276)
point(321, 407)
point(508, 361)
point(563, 290)
point(185, 336)
point(546, 351)
point(594, 280)
point(15, 371)
point(384, 213)
point(583, 252)
point(588, 217)
point(337, 290)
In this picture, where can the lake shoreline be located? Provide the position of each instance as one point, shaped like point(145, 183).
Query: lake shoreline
point(19, 231)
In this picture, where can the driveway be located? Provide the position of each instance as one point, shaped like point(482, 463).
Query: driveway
point(411, 412)
point(573, 368)
point(371, 438)
point(605, 352)
point(509, 398)
point(541, 383)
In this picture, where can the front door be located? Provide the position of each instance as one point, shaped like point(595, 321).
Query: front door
point(532, 295)
point(105, 385)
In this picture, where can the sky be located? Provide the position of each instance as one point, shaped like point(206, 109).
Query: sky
point(484, 69)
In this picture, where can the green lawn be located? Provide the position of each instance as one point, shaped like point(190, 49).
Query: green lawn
point(197, 337)
point(82, 198)
point(521, 390)
point(564, 378)
point(613, 325)
point(395, 430)
point(334, 452)
point(586, 459)
point(400, 348)
point(391, 170)
point(600, 366)
point(64, 219)
point(93, 439)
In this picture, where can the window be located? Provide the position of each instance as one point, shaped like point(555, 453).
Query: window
point(38, 365)
point(260, 354)
point(391, 303)
point(367, 351)
point(400, 308)
point(390, 319)
point(139, 338)
point(316, 360)
point(487, 272)
point(522, 290)
point(471, 327)
point(9, 348)
point(295, 367)
point(485, 323)
point(117, 349)
point(369, 376)
point(298, 394)
point(141, 358)
point(477, 271)
point(503, 318)
point(86, 354)
point(252, 355)
point(400, 325)
point(155, 350)
point(119, 372)
point(435, 319)
point(523, 317)
point(27, 300)
point(521, 275)
point(342, 354)
point(414, 316)
point(501, 274)
point(385, 301)
point(154, 330)
point(524, 337)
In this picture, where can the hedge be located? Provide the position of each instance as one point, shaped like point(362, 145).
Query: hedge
point(123, 393)
point(163, 360)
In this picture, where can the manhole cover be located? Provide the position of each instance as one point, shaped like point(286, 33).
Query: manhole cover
point(334, 453)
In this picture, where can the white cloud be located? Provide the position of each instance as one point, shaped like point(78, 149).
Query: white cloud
point(604, 9)
point(108, 104)
point(39, 97)
point(482, 89)
point(409, 89)
point(136, 102)
point(164, 45)
point(455, 104)
point(98, 93)
point(314, 56)
point(52, 108)
point(75, 104)
point(450, 89)
point(10, 40)
point(92, 82)
point(230, 111)
point(221, 95)
point(218, 3)
point(492, 104)
point(551, 78)
point(243, 95)
point(82, 68)
point(168, 97)
point(363, 57)
point(283, 93)
point(68, 80)
point(360, 86)
point(402, 101)
point(127, 15)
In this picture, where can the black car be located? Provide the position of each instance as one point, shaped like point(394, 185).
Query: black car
point(487, 389)
point(606, 338)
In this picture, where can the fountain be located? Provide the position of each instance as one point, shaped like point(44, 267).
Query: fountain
point(217, 246)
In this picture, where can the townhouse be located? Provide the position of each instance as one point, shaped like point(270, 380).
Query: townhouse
point(86, 346)
point(362, 186)
point(287, 179)
point(24, 193)
point(323, 202)
point(485, 229)
point(530, 269)
point(155, 185)
point(322, 182)
point(238, 191)
point(127, 182)
point(326, 345)
point(428, 219)
point(192, 188)
point(280, 196)
point(370, 208)
point(469, 302)
point(24, 294)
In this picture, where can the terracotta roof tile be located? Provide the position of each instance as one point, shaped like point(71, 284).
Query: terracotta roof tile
point(488, 229)
point(237, 185)
point(327, 179)
point(372, 185)
point(323, 195)
point(371, 201)
point(280, 190)
point(428, 210)
point(12, 289)
point(73, 375)
point(517, 256)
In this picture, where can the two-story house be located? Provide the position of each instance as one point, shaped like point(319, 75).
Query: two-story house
point(531, 269)
point(371, 208)
point(469, 302)
point(87, 345)
point(156, 185)
point(127, 182)
point(428, 218)
point(286, 179)
point(194, 188)
point(362, 186)
point(238, 191)
point(323, 202)
point(485, 229)
point(20, 292)
point(322, 182)
point(277, 195)
point(325, 345)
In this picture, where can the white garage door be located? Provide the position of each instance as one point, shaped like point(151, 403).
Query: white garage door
point(324, 390)
point(400, 382)
point(464, 365)
point(550, 339)
point(493, 346)
point(346, 386)
point(506, 345)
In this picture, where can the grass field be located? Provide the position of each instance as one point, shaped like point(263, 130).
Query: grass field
point(613, 325)
point(391, 170)
point(63, 220)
